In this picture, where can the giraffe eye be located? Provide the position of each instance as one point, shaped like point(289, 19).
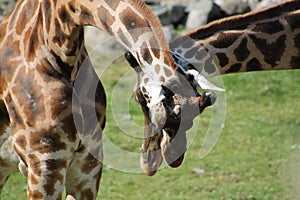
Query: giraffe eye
point(189, 67)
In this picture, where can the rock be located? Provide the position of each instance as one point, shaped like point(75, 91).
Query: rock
point(179, 15)
point(233, 7)
point(198, 170)
point(226, 8)
point(198, 13)
point(258, 5)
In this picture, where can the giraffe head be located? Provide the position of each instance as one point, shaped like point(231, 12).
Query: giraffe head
point(167, 120)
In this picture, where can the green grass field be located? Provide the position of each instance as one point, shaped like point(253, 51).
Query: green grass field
point(257, 155)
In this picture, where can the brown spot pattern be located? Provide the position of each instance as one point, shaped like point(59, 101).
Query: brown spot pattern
point(71, 6)
point(35, 164)
point(21, 141)
point(11, 50)
point(35, 194)
point(293, 20)
point(87, 194)
point(167, 71)
point(297, 41)
point(112, 4)
point(132, 21)
point(30, 97)
point(234, 68)
point(25, 15)
point(55, 167)
point(270, 56)
point(3, 30)
point(157, 69)
point(241, 52)
point(106, 19)
point(32, 44)
point(162, 79)
point(46, 141)
point(65, 16)
point(253, 65)
point(60, 37)
point(86, 16)
point(91, 163)
point(65, 68)
point(146, 53)
point(34, 180)
point(47, 72)
point(154, 47)
point(146, 81)
point(223, 59)
point(15, 118)
point(225, 40)
point(47, 12)
point(269, 27)
point(4, 118)
point(69, 127)
point(295, 62)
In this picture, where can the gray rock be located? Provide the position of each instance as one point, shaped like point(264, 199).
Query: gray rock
point(198, 13)
point(232, 7)
point(258, 5)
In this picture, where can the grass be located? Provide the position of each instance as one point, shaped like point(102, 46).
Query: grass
point(257, 155)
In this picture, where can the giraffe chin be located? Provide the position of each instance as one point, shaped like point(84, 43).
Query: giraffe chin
point(150, 162)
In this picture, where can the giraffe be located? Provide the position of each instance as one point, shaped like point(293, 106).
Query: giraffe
point(44, 119)
point(262, 40)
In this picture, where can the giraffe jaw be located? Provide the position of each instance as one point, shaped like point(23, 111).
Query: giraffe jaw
point(150, 162)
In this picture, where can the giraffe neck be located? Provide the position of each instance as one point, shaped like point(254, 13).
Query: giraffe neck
point(60, 24)
point(263, 40)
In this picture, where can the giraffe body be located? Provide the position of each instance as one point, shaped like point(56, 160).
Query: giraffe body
point(54, 102)
point(256, 41)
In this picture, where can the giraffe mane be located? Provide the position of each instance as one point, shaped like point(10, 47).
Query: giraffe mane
point(242, 20)
point(159, 35)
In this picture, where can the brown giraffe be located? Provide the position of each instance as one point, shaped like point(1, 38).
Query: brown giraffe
point(262, 40)
point(57, 120)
